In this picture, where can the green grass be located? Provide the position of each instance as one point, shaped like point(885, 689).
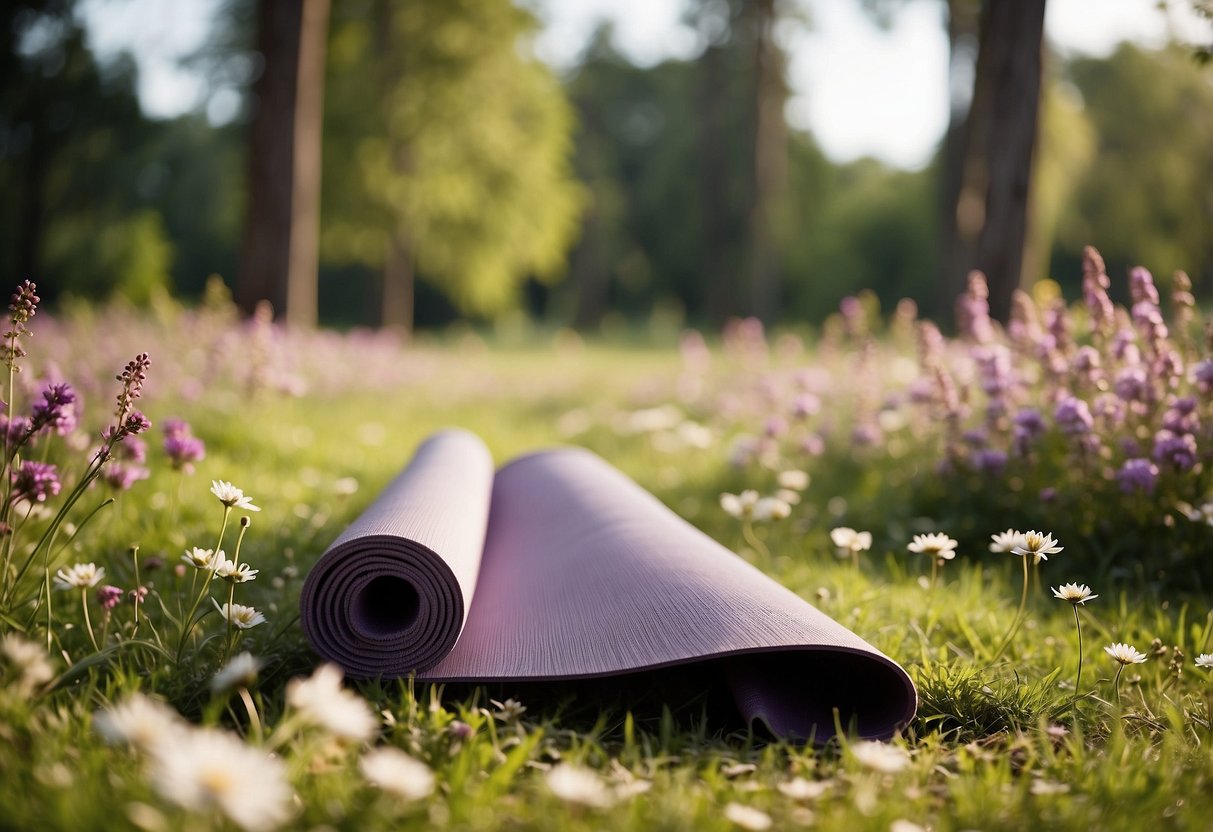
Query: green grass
point(1001, 740)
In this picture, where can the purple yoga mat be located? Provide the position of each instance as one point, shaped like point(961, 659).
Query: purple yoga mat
point(560, 567)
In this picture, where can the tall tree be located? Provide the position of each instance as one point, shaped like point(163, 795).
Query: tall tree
point(74, 151)
point(962, 27)
point(743, 152)
point(449, 153)
point(279, 256)
point(768, 158)
point(991, 208)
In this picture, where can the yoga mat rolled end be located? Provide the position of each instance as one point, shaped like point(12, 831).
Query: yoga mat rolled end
point(382, 606)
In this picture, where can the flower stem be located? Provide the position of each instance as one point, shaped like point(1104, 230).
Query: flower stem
point(1116, 684)
point(1023, 605)
point(254, 720)
point(87, 622)
point(747, 531)
point(1078, 677)
point(135, 559)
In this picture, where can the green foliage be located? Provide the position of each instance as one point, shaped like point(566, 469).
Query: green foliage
point(1147, 191)
point(443, 136)
point(865, 227)
point(129, 257)
point(999, 745)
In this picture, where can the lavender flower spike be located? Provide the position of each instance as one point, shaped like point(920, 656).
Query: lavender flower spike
point(35, 481)
point(1137, 475)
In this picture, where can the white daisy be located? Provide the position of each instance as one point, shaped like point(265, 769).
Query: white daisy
point(799, 788)
point(240, 616)
point(938, 546)
point(1004, 542)
point(1197, 514)
point(240, 672)
point(1125, 653)
point(577, 784)
point(795, 480)
point(201, 558)
point(396, 772)
point(80, 576)
point(229, 570)
point(231, 496)
point(740, 505)
point(1038, 545)
point(1205, 660)
point(879, 756)
point(208, 769)
point(33, 670)
point(139, 721)
point(851, 541)
point(747, 817)
point(1074, 593)
point(322, 701)
point(771, 508)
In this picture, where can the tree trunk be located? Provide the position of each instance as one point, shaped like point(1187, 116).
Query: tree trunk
point(396, 306)
point(992, 205)
point(768, 173)
point(962, 51)
point(588, 269)
point(716, 263)
point(278, 260)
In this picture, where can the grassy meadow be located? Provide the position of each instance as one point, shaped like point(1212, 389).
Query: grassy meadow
point(121, 711)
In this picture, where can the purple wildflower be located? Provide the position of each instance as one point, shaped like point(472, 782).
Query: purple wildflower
point(775, 427)
point(1095, 284)
point(1141, 286)
point(109, 596)
point(989, 461)
point(184, 451)
point(1202, 375)
point(22, 307)
point(1137, 475)
point(1028, 424)
point(131, 449)
point(56, 411)
point(1132, 384)
point(813, 445)
point(1175, 449)
point(137, 423)
point(866, 434)
point(35, 481)
point(1024, 326)
point(1181, 416)
point(994, 362)
point(805, 405)
point(132, 378)
point(138, 594)
point(1073, 416)
point(17, 430)
point(1109, 409)
point(121, 477)
point(973, 310)
point(1124, 347)
point(1087, 365)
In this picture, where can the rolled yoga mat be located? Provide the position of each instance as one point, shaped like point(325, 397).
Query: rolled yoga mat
point(560, 567)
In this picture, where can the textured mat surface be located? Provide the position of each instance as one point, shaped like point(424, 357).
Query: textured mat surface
point(560, 567)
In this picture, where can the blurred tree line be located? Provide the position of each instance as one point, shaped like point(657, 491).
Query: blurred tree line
point(461, 177)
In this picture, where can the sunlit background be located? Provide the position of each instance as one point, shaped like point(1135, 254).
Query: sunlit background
point(646, 190)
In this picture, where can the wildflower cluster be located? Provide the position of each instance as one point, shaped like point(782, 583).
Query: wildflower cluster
point(212, 772)
point(1065, 407)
